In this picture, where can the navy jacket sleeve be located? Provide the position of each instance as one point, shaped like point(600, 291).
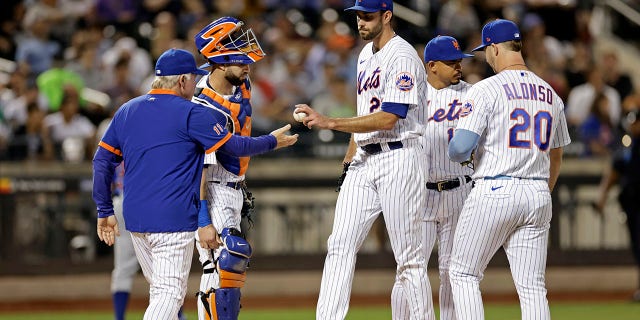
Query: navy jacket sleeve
point(240, 146)
point(104, 164)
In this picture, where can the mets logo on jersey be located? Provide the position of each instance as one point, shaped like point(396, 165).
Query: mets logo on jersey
point(218, 128)
point(404, 81)
point(466, 109)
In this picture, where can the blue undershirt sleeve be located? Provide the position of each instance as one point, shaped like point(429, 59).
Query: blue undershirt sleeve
point(462, 144)
point(399, 109)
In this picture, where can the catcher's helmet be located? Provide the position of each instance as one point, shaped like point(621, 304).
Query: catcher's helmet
point(224, 41)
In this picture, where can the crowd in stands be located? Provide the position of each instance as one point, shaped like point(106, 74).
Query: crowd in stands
point(61, 58)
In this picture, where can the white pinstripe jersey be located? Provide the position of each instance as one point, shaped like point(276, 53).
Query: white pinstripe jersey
point(393, 74)
point(519, 118)
point(442, 114)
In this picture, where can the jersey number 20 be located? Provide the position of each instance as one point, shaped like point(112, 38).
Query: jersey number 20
point(541, 129)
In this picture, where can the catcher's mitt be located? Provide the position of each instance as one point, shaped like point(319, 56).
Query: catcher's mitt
point(345, 168)
point(247, 205)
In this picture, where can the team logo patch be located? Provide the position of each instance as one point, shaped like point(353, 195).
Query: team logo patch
point(466, 109)
point(218, 128)
point(404, 81)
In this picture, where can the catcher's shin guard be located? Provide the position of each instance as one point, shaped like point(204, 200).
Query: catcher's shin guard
point(224, 303)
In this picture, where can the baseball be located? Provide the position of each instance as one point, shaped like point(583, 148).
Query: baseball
point(299, 116)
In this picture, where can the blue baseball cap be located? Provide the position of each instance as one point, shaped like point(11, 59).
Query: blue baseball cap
point(499, 30)
point(443, 48)
point(372, 5)
point(177, 61)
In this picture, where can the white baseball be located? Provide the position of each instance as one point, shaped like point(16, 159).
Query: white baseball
point(299, 116)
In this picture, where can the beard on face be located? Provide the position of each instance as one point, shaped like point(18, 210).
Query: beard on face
point(233, 79)
point(372, 33)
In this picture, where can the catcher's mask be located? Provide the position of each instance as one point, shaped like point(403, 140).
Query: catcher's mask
point(224, 41)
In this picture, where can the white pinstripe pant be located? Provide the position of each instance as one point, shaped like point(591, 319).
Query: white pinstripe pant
point(165, 259)
point(514, 214)
point(390, 182)
point(442, 213)
point(225, 205)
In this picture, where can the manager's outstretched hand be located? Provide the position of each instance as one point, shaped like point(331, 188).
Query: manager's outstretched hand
point(108, 229)
point(284, 140)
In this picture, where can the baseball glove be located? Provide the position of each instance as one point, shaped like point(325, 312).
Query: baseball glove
point(345, 168)
point(469, 162)
point(248, 205)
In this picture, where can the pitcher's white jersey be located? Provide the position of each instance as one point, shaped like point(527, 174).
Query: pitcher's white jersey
point(517, 129)
point(442, 113)
point(395, 74)
point(388, 182)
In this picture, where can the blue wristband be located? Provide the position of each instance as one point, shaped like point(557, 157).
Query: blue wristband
point(204, 219)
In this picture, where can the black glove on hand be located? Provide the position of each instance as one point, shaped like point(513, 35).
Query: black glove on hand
point(345, 168)
point(247, 205)
point(469, 162)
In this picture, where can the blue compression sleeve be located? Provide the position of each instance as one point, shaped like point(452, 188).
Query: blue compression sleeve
point(462, 144)
point(240, 146)
point(204, 219)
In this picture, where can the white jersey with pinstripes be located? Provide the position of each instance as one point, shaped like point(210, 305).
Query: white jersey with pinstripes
point(520, 118)
point(442, 208)
point(390, 182)
point(393, 74)
point(442, 114)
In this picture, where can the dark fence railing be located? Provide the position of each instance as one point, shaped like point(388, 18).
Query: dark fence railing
point(47, 219)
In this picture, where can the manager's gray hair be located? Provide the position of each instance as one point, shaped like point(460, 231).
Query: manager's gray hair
point(167, 82)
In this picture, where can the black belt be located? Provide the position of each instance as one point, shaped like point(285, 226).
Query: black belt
point(233, 185)
point(374, 148)
point(446, 184)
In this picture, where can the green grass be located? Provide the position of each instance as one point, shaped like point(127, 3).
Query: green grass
point(559, 311)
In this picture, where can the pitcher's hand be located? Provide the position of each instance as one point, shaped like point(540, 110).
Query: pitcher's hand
point(313, 118)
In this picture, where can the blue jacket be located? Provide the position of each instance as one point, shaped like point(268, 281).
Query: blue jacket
point(163, 138)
